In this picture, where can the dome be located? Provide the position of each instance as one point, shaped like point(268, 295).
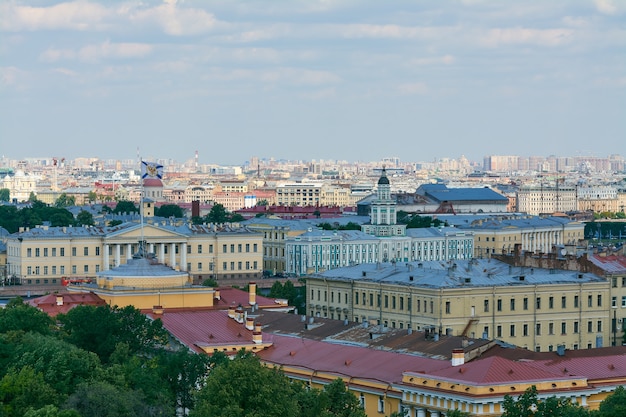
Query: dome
point(383, 178)
point(152, 182)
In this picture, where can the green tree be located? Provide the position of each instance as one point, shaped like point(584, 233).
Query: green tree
point(22, 317)
point(245, 387)
point(262, 203)
point(210, 282)
point(217, 214)
point(5, 194)
point(235, 218)
point(103, 399)
point(114, 223)
point(183, 371)
point(22, 390)
point(528, 405)
point(84, 218)
point(62, 365)
point(125, 207)
point(65, 201)
point(51, 411)
point(339, 401)
point(169, 210)
point(100, 329)
point(32, 197)
point(615, 404)
point(92, 197)
point(10, 218)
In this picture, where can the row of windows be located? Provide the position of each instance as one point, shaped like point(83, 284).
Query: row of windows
point(61, 252)
point(538, 303)
point(52, 270)
point(232, 266)
point(240, 247)
point(551, 329)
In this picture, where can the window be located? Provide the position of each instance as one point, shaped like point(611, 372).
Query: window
point(62, 269)
point(199, 266)
point(381, 404)
point(86, 251)
point(525, 303)
point(239, 265)
point(356, 298)
point(589, 301)
point(73, 269)
point(512, 304)
point(232, 248)
point(613, 302)
point(512, 330)
point(97, 250)
point(86, 269)
point(362, 400)
point(45, 251)
point(239, 248)
point(247, 265)
point(623, 300)
point(486, 306)
point(498, 331)
point(254, 247)
point(551, 328)
point(599, 325)
point(538, 303)
point(45, 270)
point(576, 329)
point(254, 265)
point(401, 303)
point(224, 266)
point(447, 307)
point(54, 270)
point(538, 329)
point(371, 300)
point(73, 251)
point(62, 252)
point(54, 251)
point(432, 308)
point(232, 266)
point(614, 282)
point(563, 328)
point(37, 252)
point(550, 303)
point(589, 326)
point(224, 248)
point(575, 301)
point(599, 300)
point(386, 301)
point(199, 248)
point(29, 270)
point(36, 270)
point(563, 302)
point(247, 247)
point(393, 302)
point(525, 330)
point(29, 252)
point(499, 305)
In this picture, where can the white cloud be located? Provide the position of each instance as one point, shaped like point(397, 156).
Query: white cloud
point(610, 7)
point(289, 76)
point(413, 89)
point(438, 60)
point(174, 20)
point(9, 75)
point(78, 15)
point(522, 36)
point(96, 52)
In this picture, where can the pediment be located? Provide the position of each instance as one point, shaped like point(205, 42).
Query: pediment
point(136, 232)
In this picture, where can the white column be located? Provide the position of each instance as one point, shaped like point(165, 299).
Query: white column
point(421, 412)
point(129, 250)
point(151, 247)
point(183, 257)
point(162, 253)
point(117, 254)
point(106, 256)
point(172, 255)
point(434, 413)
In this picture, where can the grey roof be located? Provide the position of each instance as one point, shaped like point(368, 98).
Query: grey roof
point(456, 274)
point(429, 232)
point(304, 224)
point(440, 193)
point(141, 267)
point(491, 222)
point(343, 235)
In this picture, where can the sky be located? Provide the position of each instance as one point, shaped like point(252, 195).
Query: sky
point(354, 80)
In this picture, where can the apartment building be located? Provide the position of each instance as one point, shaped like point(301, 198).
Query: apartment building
point(538, 309)
point(540, 199)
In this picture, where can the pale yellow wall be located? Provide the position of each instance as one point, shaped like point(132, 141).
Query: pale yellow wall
point(467, 306)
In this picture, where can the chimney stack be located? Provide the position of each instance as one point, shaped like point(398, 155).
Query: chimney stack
point(252, 293)
point(458, 357)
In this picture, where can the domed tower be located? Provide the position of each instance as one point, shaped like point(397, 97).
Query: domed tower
point(383, 214)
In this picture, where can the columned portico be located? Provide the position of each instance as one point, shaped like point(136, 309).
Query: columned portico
point(172, 255)
point(106, 256)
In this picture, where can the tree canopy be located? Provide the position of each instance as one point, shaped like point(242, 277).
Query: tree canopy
point(169, 210)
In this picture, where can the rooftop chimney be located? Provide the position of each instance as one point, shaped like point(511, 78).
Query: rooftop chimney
point(249, 323)
point(458, 357)
point(252, 293)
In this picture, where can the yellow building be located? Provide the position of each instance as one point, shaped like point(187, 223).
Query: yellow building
point(538, 309)
point(46, 255)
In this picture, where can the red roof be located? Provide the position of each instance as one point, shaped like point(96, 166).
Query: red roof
point(230, 296)
point(152, 182)
point(61, 303)
point(197, 329)
point(611, 264)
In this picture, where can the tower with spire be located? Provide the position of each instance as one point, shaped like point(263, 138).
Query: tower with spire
point(383, 213)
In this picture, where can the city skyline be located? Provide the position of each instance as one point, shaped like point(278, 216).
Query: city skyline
point(314, 80)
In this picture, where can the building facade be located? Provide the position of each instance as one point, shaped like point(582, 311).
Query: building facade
point(534, 308)
point(46, 255)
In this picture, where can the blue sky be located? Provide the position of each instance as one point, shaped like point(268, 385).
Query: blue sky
point(315, 79)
